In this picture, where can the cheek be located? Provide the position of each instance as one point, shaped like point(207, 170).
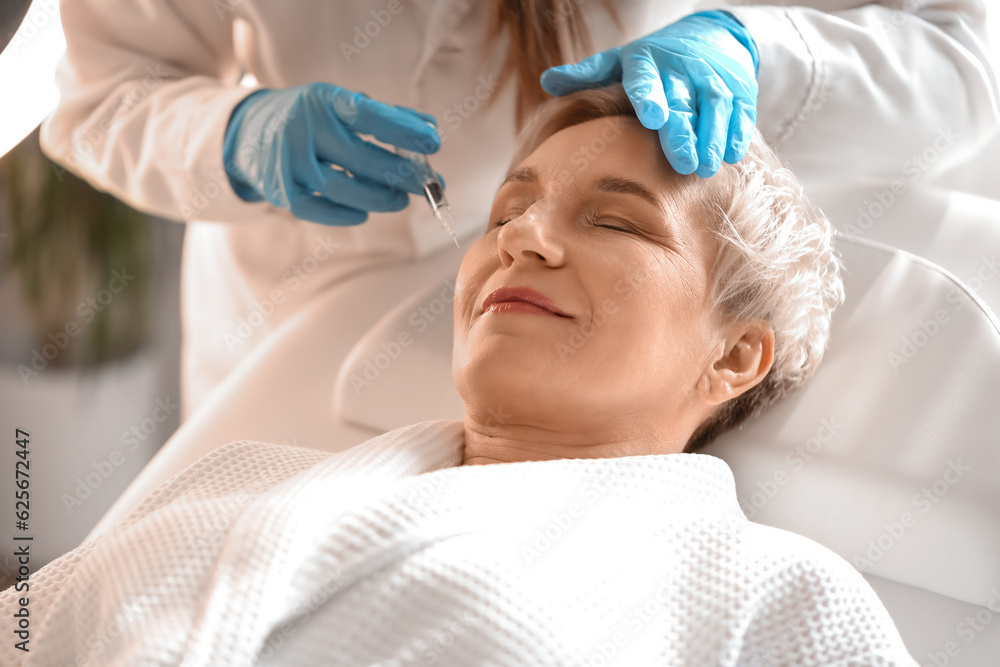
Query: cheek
point(636, 282)
point(477, 266)
point(620, 285)
point(657, 309)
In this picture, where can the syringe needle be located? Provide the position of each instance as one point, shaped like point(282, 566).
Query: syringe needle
point(433, 190)
point(443, 214)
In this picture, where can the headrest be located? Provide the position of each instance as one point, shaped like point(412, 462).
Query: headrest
point(404, 362)
point(888, 455)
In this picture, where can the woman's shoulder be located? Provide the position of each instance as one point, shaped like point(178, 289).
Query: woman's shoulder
point(768, 539)
point(781, 554)
point(808, 604)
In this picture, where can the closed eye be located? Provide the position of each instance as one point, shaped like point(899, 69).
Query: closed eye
point(503, 221)
point(621, 225)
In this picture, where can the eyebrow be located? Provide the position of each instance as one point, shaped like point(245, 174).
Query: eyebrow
point(522, 174)
point(605, 184)
point(629, 187)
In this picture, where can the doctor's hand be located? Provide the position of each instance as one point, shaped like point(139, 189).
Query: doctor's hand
point(299, 149)
point(695, 81)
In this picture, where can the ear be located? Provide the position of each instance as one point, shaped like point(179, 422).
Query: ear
point(741, 361)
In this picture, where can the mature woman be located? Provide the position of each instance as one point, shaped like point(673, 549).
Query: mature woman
point(614, 317)
point(692, 319)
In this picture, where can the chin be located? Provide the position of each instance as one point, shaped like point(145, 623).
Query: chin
point(499, 386)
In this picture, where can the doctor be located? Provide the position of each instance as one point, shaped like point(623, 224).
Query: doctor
point(243, 118)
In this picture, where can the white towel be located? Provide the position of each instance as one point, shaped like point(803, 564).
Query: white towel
point(391, 554)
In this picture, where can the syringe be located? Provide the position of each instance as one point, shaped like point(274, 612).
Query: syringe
point(433, 190)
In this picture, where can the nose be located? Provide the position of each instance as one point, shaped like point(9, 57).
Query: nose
point(530, 238)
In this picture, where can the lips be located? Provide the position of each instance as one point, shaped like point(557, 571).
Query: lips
point(522, 295)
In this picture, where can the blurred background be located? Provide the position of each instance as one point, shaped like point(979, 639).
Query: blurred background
point(90, 312)
point(89, 317)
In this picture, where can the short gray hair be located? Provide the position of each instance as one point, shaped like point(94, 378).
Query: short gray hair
point(776, 262)
point(775, 259)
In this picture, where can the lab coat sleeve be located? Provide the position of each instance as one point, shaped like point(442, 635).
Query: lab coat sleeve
point(146, 90)
point(898, 89)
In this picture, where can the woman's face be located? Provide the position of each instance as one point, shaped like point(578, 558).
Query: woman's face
point(595, 223)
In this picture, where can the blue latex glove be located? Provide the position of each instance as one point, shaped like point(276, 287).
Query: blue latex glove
point(694, 81)
point(280, 144)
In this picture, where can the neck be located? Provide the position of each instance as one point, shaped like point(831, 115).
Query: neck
point(512, 442)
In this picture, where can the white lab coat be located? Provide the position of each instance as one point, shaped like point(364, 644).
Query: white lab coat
point(847, 88)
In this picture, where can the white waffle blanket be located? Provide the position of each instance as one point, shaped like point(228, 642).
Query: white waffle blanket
point(392, 554)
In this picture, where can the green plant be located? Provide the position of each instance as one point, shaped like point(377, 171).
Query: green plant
point(65, 242)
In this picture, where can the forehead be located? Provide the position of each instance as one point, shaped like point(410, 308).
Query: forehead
point(590, 144)
point(585, 154)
